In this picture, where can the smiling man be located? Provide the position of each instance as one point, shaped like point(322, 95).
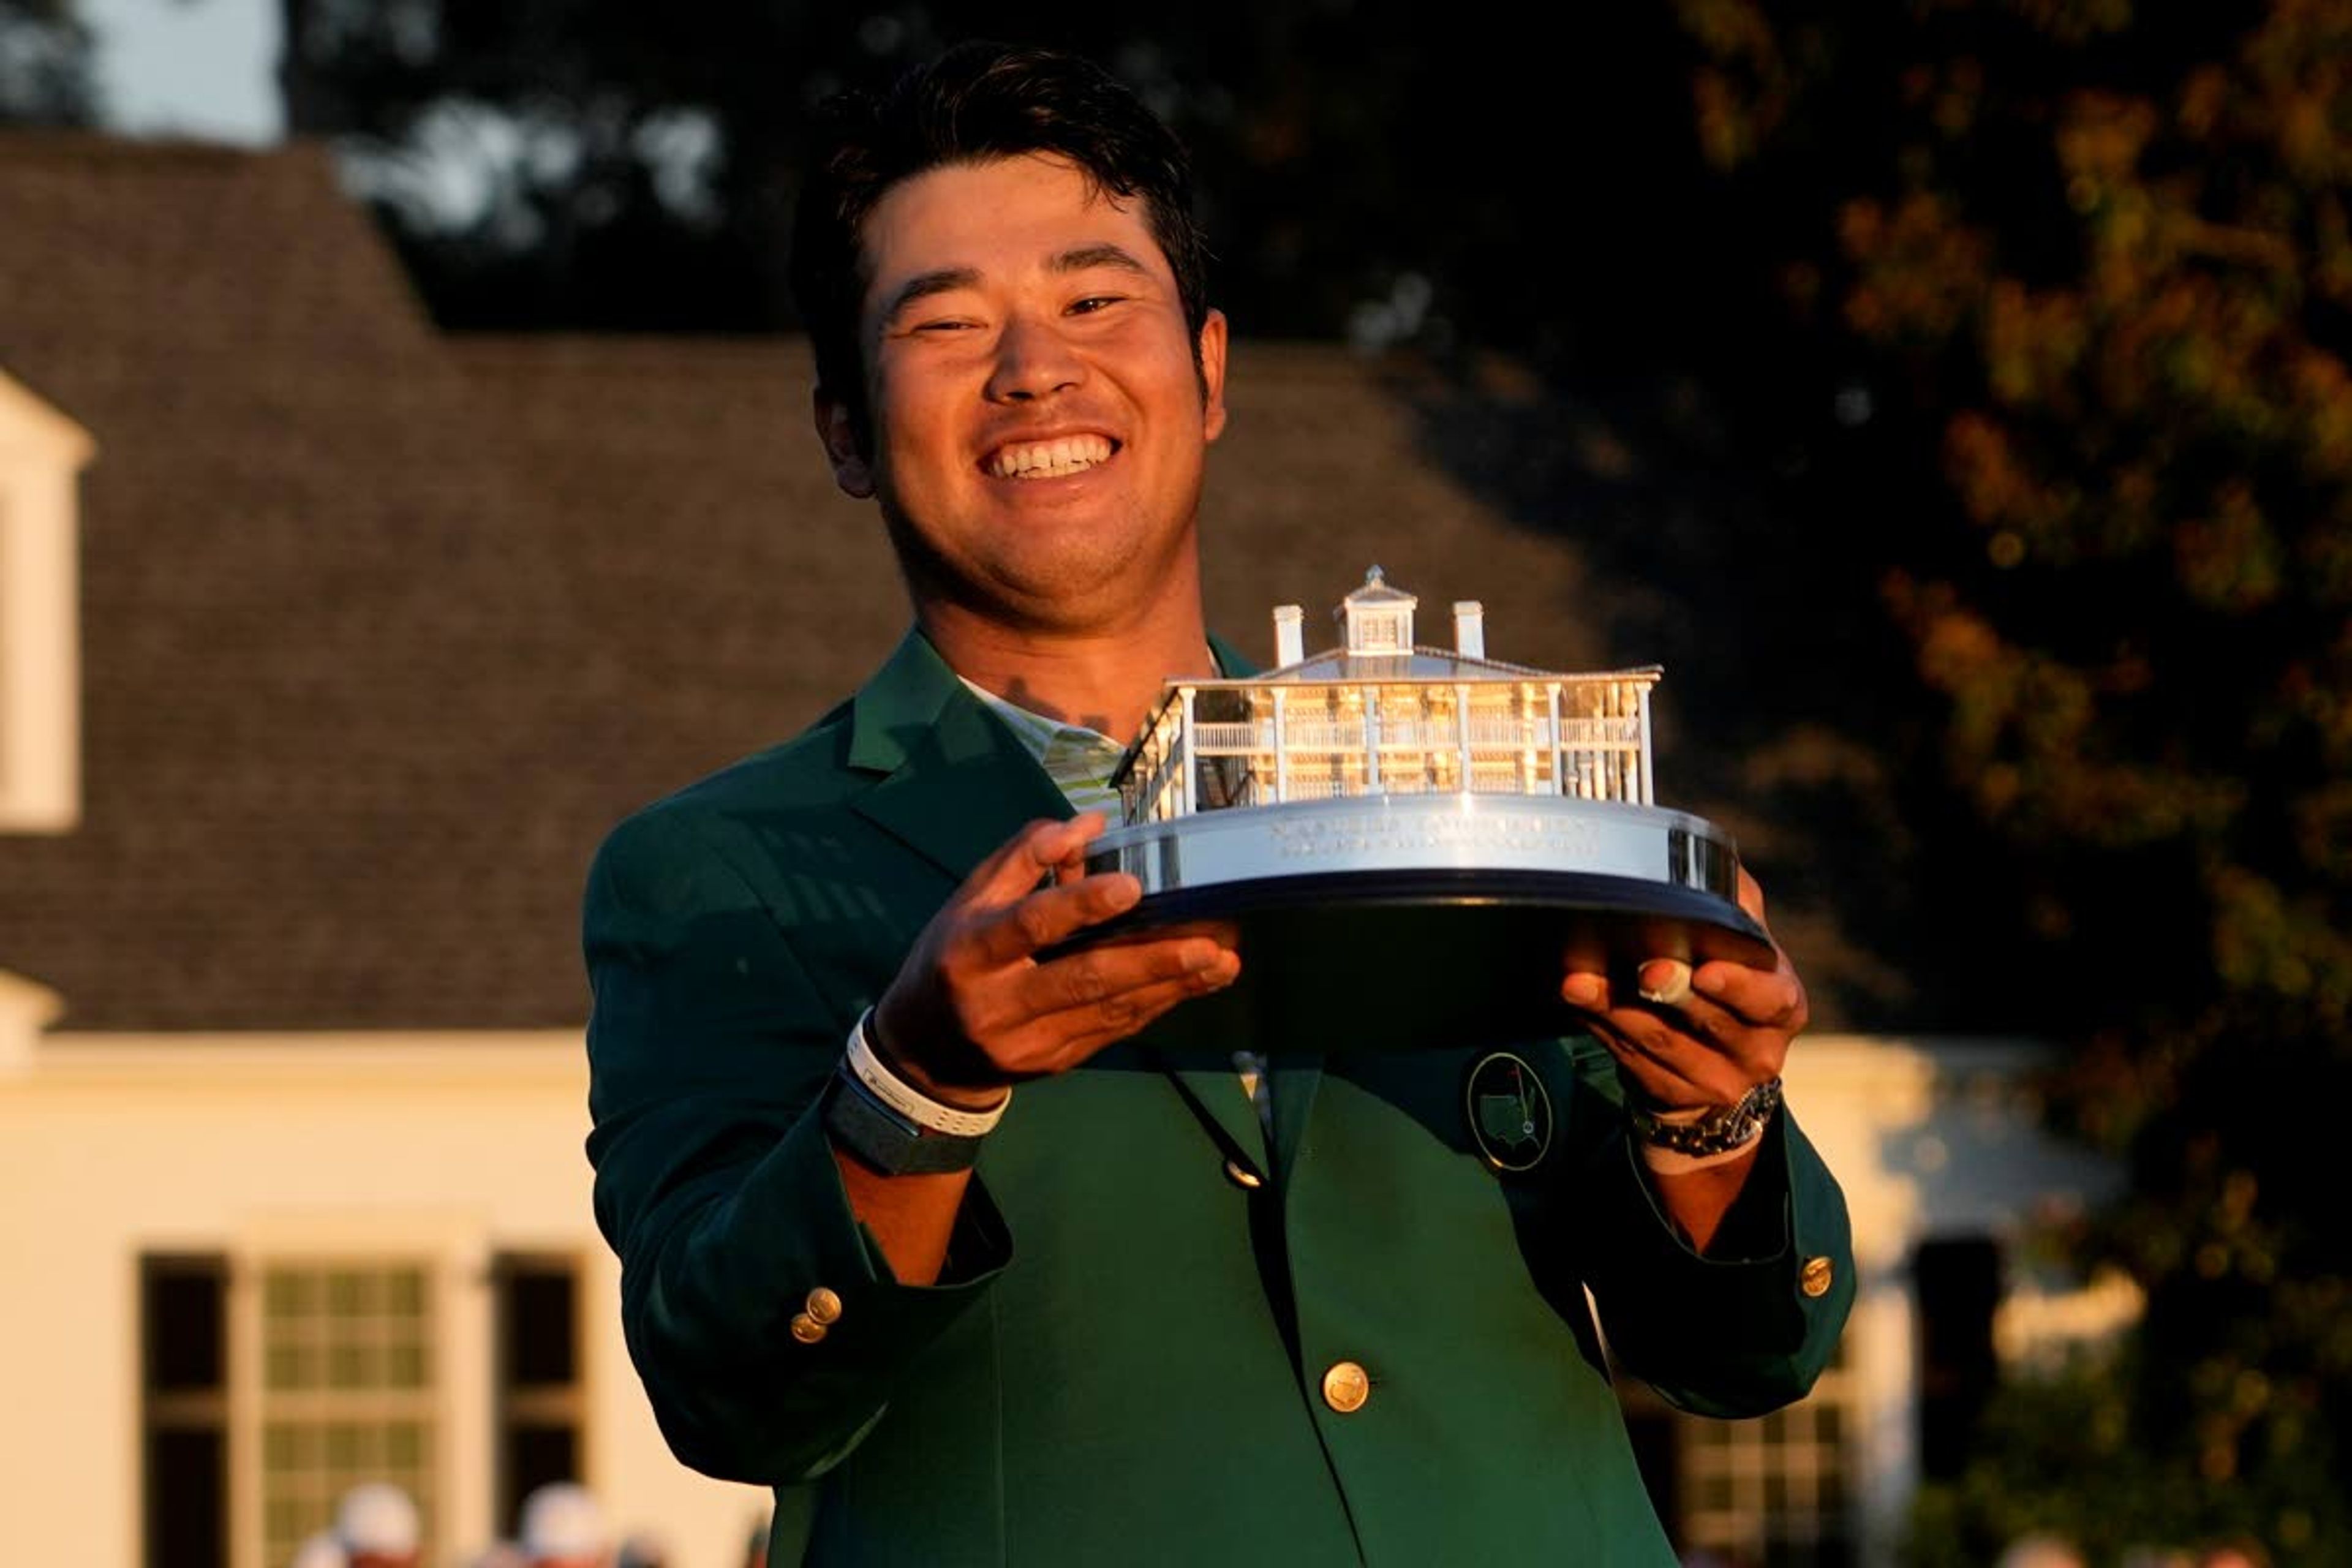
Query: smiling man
point(1040, 409)
point(923, 1228)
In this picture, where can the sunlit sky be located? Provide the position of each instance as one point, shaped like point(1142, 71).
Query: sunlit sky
point(201, 68)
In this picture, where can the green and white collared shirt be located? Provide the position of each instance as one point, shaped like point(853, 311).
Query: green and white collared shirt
point(1078, 760)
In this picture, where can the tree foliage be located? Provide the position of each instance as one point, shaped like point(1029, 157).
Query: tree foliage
point(2097, 261)
point(45, 64)
point(590, 164)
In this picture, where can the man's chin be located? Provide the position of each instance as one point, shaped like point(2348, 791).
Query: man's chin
point(1062, 594)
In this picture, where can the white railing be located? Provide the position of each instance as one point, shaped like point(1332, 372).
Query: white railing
point(1534, 731)
point(1306, 735)
point(1230, 738)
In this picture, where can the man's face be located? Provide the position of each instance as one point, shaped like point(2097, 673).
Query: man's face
point(1039, 426)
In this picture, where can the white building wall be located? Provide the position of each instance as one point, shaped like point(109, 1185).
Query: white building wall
point(451, 1146)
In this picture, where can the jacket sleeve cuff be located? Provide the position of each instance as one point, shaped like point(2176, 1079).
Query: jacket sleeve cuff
point(801, 1333)
point(793, 1233)
point(1749, 1326)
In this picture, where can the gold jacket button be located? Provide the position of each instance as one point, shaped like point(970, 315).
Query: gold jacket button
point(823, 1307)
point(806, 1330)
point(1346, 1387)
point(1241, 1175)
point(1815, 1280)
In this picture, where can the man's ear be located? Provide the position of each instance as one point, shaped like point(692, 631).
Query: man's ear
point(1213, 375)
point(852, 471)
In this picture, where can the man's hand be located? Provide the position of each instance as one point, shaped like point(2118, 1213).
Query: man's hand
point(974, 1010)
point(1699, 1036)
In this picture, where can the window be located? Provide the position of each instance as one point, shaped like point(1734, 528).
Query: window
point(540, 1397)
point(347, 1390)
point(270, 1391)
point(183, 1304)
point(41, 453)
point(1775, 1492)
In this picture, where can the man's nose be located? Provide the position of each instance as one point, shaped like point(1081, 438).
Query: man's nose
point(1032, 360)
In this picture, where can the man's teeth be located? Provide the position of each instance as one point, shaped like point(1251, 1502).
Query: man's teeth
point(1049, 460)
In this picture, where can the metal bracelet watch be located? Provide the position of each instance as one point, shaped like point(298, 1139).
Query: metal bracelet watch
point(1721, 1129)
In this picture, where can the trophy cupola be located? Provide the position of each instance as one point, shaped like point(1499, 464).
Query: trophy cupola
point(1378, 618)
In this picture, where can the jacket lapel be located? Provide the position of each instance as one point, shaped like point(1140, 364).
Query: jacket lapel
point(957, 785)
point(1296, 1076)
point(1211, 1088)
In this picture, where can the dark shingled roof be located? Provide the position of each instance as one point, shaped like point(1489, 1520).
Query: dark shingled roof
point(383, 628)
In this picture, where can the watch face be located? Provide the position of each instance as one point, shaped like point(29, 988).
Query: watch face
point(1737, 1124)
point(1755, 1106)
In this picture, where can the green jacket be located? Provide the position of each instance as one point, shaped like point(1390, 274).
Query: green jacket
point(1124, 1362)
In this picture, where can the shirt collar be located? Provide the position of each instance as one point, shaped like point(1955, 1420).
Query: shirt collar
point(1080, 760)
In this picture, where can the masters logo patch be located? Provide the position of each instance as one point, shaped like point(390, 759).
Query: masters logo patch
point(1509, 1111)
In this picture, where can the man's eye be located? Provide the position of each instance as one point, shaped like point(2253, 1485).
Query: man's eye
point(1093, 302)
point(946, 326)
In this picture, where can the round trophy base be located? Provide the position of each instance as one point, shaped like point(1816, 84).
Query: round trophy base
point(1424, 921)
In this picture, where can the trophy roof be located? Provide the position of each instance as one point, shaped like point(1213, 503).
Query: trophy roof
point(1378, 589)
point(1337, 666)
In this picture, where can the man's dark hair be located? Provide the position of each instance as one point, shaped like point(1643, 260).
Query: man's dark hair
point(976, 103)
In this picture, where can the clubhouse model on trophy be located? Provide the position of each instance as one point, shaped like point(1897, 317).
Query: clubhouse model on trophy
point(1412, 843)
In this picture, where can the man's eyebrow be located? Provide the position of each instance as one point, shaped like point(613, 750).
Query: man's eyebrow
point(923, 285)
point(1087, 256)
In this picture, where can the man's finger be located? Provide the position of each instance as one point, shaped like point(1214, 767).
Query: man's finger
point(1104, 978)
point(1661, 1079)
point(1086, 827)
point(1759, 998)
point(1038, 851)
point(1665, 981)
point(1089, 1030)
point(1660, 1084)
point(1585, 989)
point(1692, 1052)
point(1717, 1072)
point(1048, 915)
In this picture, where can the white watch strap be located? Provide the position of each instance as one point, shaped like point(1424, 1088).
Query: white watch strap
point(911, 1102)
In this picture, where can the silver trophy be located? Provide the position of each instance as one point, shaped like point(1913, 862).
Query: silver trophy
point(1411, 845)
